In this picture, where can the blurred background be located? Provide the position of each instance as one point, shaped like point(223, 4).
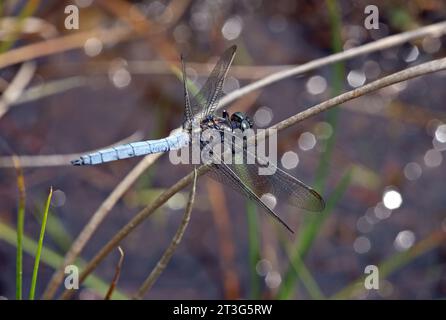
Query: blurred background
point(377, 160)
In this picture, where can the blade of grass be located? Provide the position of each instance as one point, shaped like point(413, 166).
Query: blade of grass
point(55, 230)
point(306, 277)
point(317, 220)
point(116, 276)
point(54, 260)
point(312, 224)
point(308, 235)
point(32, 290)
point(20, 226)
point(253, 248)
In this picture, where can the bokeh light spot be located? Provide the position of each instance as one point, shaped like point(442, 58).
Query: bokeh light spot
point(363, 225)
point(290, 160)
point(263, 267)
point(58, 199)
point(412, 171)
point(323, 130)
point(177, 202)
point(269, 199)
point(362, 245)
point(230, 85)
point(356, 78)
point(316, 85)
point(273, 280)
point(307, 141)
point(392, 199)
point(433, 158)
point(382, 212)
point(431, 44)
point(93, 47)
point(404, 240)
point(440, 133)
point(413, 55)
point(232, 28)
point(263, 116)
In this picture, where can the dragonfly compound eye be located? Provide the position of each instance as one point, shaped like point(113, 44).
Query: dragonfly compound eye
point(238, 117)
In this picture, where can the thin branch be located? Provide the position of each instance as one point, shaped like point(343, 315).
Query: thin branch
point(16, 87)
point(161, 67)
point(409, 73)
point(115, 280)
point(162, 263)
point(61, 44)
point(55, 159)
point(29, 25)
point(49, 88)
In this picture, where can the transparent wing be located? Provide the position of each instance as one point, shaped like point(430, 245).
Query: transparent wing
point(187, 107)
point(280, 184)
point(206, 100)
point(223, 173)
point(245, 178)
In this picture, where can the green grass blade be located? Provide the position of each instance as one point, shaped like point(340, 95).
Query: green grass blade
point(306, 277)
point(57, 231)
point(312, 224)
point(306, 237)
point(32, 290)
point(254, 248)
point(20, 226)
point(54, 260)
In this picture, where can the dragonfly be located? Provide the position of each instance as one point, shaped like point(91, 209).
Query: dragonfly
point(200, 109)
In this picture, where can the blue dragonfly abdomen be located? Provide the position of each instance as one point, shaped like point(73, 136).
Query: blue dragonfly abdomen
point(135, 149)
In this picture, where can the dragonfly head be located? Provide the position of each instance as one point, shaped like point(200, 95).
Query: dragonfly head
point(241, 121)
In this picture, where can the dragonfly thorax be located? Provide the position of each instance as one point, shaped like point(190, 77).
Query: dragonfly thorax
point(238, 120)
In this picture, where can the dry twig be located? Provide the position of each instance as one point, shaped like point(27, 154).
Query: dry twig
point(162, 263)
point(16, 87)
point(115, 280)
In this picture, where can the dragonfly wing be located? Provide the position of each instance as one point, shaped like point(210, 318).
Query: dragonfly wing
point(283, 186)
point(188, 114)
point(224, 174)
point(206, 100)
point(279, 183)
